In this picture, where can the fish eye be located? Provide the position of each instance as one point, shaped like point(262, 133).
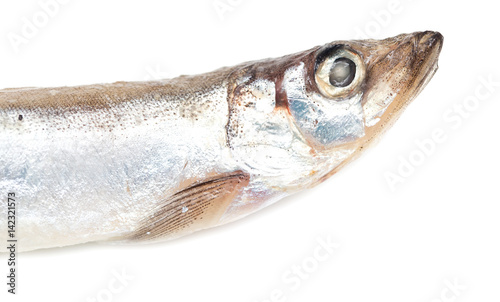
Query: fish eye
point(342, 72)
point(339, 71)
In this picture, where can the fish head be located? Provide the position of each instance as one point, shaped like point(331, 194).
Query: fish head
point(326, 105)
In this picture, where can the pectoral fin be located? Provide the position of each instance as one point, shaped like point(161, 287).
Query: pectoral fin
point(199, 206)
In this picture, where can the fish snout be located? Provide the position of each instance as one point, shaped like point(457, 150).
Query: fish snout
point(403, 66)
point(428, 40)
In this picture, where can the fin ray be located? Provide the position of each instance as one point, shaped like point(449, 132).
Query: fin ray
point(198, 206)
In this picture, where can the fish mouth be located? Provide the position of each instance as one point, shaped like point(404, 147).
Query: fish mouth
point(401, 67)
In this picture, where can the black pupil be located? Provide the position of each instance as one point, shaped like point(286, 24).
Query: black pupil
point(342, 72)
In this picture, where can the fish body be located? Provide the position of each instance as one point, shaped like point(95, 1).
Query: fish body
point(151, 161)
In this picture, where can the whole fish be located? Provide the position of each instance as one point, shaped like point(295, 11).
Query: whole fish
point(150, 161)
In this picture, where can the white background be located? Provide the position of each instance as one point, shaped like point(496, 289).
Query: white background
point(441, 225)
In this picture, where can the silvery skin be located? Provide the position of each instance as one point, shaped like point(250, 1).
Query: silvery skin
point(151, 161)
